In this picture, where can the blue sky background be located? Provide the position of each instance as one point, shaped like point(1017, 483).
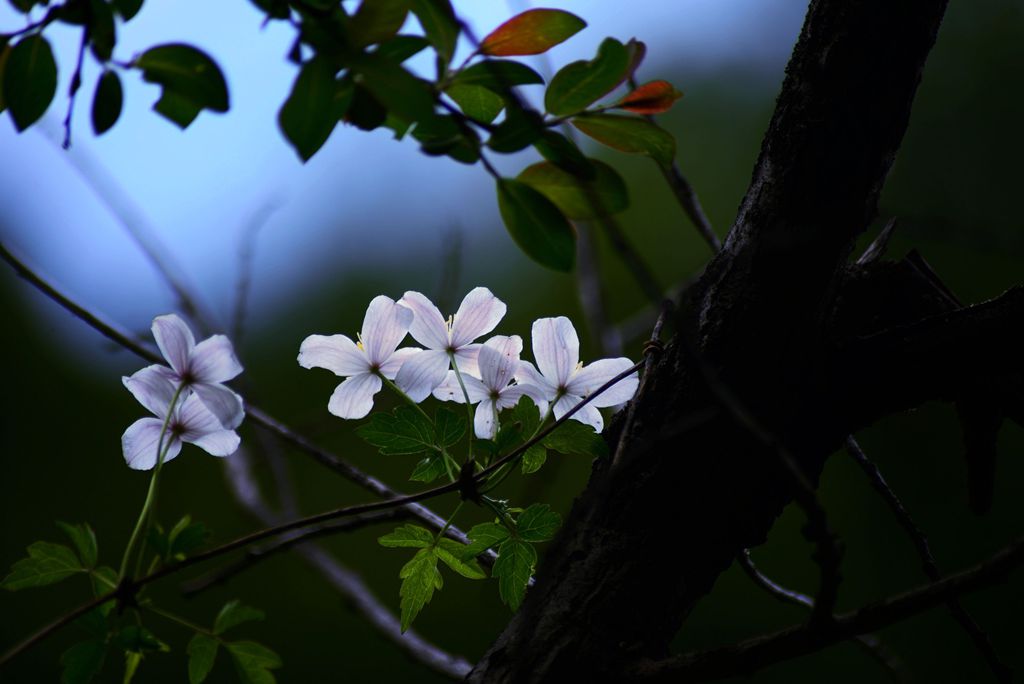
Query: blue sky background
point(363, 202)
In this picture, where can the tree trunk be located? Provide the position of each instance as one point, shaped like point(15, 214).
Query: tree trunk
point(690, 486)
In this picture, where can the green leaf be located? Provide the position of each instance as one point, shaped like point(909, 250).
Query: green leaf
point(452, 553)
point(526, 415)
point(253, 661)
point(534, 458)
point(629, 134)
point(579, 84)
point(82, 662)
point(404, 431)
point(127, 8)
point(439, 24)
point(576, 439)
point(519, 130)
point(191, 81)
point(24, 6)
point(104, 579)
point(186, 536)
point(531, 33)
point(235, 613)
point(537, 225)
point(408, 536)
point(565, 154)
point(363, 111)
point(443, 135)
point(538, 523)
point(429, 469)
point(498, 75)
point(308, 116)
point(95, 622)
point(401, 48)
point(450, 426)
point(139, 640)
point(483, 537)
point(131, 666)
point(84, 540)
point(5, 52)
point(513, 569)
point(602, 195)
point(377, 20)
point(202, 653)
point(107, 102)
point(274, 9)
point(476, 102)
point(102, 33)
point(46, 563)
point(420, 577)
point(30, 80)
point(401, 93)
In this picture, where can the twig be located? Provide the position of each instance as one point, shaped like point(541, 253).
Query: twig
point(799, 640)
point(868, 642)
point(262, 553)
point(246, 253)
point(931, 568)
point(687, 198)
point(76, 83)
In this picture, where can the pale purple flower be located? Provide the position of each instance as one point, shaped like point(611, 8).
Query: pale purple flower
point(478, 315)
point(191, 421)
point(498, 360)
point(201, 367)
point(363, 363)
point(562, 379)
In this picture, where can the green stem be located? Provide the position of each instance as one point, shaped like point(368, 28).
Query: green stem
point(179, 620)
point(469, 407)
point(502, 515)
point(394, 388)
point(451, 518)
point(142, 524)
point(499, 475)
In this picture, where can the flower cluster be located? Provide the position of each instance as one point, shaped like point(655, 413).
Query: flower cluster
point(187, 397)
point(453, 366)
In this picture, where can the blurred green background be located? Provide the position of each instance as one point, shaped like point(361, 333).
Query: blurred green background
point(954, 190)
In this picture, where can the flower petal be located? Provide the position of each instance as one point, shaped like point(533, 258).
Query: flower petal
point(450, 390)
point(479, 313)
point(389, 369)
point(175, 340)
point(336, 353)
point(141, 441)
point(485, 421)
point(590, 378)
point(422, 373)
point(556, 348)
point(384, 326)
point(428, 326)
point(214, 360)
point(499, 360)
point(194, 419)
point(153, 387)
point(220, 443)
point(354, 397)
point(226, 405)
point(527, 374)
point(466, 359)
point(511, 395)
point(588, 414)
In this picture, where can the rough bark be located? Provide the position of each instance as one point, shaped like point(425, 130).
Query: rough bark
point(690, 487)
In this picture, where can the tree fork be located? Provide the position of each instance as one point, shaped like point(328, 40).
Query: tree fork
point(692, 488)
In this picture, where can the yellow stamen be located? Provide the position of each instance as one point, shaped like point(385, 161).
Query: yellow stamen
point(359, 342)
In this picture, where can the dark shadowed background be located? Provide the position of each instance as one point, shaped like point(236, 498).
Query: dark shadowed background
point(369, 215)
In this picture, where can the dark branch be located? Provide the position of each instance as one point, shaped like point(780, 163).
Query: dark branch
point(760, 652)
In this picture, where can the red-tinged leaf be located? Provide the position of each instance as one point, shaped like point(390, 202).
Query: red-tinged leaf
point(650, 98)
point(531, 33)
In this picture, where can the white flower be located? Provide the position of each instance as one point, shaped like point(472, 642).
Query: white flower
point(565, 381)
point(384, 326)
point(201, 367)
point(498, 359)
point(191, 421)
point(478, 315)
